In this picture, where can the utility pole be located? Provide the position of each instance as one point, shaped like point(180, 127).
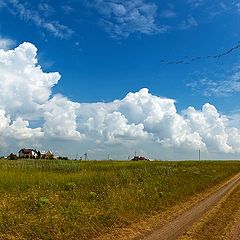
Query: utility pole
point(199, 154)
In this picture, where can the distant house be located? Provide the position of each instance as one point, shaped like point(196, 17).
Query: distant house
point(27, 153)
point(12, 156)
point(47, 155)
point(139, 158)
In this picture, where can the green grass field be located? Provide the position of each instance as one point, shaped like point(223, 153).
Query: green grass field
point(81, 200)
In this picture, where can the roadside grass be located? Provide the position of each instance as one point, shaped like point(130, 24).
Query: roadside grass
point(218, 222)
point(81, 200)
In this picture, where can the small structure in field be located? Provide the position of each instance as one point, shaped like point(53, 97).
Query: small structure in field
point(139, 158)
point(27, 153)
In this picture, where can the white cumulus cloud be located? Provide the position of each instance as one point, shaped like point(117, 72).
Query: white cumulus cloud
point(138, 119)
point(18, 129)
point(26, 96)
point(6, 43)
point(24, 86)
point(105, 123)
point(60, 118)
point(211, 126)
point(141, 116)
point(149, 116)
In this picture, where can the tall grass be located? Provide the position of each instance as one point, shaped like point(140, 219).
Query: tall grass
point(80, 200)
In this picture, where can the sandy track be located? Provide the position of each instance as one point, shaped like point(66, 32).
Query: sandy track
point(176, 228)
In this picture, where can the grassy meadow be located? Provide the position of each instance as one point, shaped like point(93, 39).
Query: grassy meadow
point(52, 199)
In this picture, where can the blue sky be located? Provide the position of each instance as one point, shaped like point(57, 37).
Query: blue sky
point(107, 49)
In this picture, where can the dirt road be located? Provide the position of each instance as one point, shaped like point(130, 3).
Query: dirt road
point(178, 227)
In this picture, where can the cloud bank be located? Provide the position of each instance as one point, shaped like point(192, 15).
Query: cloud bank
point(30, 114)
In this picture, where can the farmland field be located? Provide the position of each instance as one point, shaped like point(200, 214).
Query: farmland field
point(55, 199)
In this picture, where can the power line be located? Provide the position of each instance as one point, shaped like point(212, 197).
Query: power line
point(188, 60)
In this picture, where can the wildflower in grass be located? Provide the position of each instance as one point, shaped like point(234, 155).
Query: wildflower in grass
point(159, 193)
point(42, 202)
point(140, 179)
point(70, 186)
point(93, 196)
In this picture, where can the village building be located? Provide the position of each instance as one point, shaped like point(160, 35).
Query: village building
point(139, 158)
point(27, 153)
point(47, 155)
point(12, 156)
